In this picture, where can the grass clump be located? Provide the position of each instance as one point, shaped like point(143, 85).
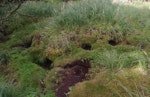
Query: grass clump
point(115, 18)
point(4, 58)
point(28, 75)
point(126, 82)
point(82, 12)
point(39, 9)
point(7, 90)
point(76, 54)
point(113, 59)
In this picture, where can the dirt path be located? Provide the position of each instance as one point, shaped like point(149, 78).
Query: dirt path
point(72, 74)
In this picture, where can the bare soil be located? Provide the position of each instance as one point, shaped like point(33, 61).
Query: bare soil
point(71, 74)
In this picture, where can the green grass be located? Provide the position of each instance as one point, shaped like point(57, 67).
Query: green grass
point(4, 58)
point(122, 18)
point(81, 12)
point(28, 75)
point(39, 9)
point(126, 82)
point(114, 59)
point(64, 27)
point(24, 34)
point(7, 90)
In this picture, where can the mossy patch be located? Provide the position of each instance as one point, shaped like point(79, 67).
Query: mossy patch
point(76, 54)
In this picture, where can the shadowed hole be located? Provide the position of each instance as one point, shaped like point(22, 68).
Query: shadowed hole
point(86, 46)
point(112, 42)
point(3, 38)
point(46, 64)
point(26, 44)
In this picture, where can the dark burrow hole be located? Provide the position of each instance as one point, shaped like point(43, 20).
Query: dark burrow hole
point(112, 42)
point(26, 44)
point(46, 64)
point(3, 38)
point(86, 46)
point(71, 74)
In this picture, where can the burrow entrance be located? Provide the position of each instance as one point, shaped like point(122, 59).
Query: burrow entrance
point(26, 44)
point(71, 74)
point(46, 64)
point(3, 37)
point(124, 42)
point(86, 46)
point(112, 42)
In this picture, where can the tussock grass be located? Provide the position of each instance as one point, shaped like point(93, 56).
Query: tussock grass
point(81, 12)
point(122, 18)
point(7, 90)
point(129, 83)
point(116, 18)
point(114, 59)
point(40, 9)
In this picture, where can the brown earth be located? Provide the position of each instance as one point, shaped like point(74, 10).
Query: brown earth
point(71, 74)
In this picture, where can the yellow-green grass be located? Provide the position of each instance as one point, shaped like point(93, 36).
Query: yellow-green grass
point(133, 82)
